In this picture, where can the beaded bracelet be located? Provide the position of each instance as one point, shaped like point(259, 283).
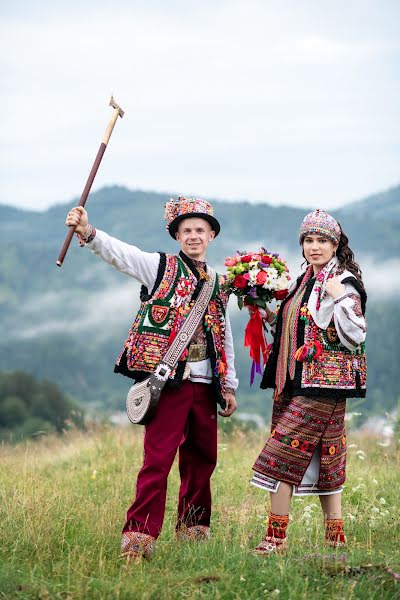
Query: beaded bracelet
point(87, 236)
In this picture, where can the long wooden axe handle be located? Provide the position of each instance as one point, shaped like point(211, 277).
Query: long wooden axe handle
point(118, 112)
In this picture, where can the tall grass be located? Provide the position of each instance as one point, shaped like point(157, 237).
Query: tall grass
point(63, 501)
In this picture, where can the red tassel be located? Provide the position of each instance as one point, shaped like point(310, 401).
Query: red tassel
point(254, 336)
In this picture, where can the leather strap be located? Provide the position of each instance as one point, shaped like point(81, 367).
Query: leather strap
point(183, 337)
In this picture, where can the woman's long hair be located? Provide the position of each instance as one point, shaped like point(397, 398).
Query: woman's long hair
point(345, 256)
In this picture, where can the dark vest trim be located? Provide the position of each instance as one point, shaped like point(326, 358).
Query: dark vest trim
point(144, 292)
point(360, 289)
point(122, 367)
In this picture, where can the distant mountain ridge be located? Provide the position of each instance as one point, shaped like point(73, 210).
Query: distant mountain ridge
point(68, 324)
point(383, 205)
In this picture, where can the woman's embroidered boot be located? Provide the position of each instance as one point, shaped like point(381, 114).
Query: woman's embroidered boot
point(334, 533)
point(275, 538)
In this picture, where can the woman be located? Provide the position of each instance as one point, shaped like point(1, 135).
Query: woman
point(316, 361)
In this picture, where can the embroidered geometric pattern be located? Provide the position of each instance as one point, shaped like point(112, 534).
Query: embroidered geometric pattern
point(161, 317)
point(275, 537)
point(198, 533)
point(337, 366)
point(334, 533)
point(322, 363)
point(288, 342)
point(134, 543)
point(299, 425)
point(303, 489)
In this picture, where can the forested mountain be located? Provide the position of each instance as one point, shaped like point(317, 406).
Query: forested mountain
point(384, 206)
point(69, 324)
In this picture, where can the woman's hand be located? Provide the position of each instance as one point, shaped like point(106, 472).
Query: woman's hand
point(266, 314)
point(334, 288)
point(78, 217)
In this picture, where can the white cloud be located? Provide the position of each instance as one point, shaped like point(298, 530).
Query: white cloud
point(281, 102)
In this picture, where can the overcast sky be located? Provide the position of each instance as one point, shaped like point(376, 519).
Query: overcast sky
point(282, 101)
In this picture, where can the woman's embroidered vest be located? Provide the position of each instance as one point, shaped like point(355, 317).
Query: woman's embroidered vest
point(337, 368)
point(162, 315)
point(337, 372)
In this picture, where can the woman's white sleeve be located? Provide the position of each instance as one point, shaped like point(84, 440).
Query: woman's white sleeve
point(349, 320)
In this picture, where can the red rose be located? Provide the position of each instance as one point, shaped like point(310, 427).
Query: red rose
point(281, 294)
point(246, 258)
point(240, 282)
point(267, 260)
point(261, 277)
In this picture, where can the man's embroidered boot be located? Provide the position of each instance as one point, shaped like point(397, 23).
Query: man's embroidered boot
point(275, 538)
point(198, 533)
point(136, 545)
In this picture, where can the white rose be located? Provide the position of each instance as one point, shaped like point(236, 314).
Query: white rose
point(282, 283)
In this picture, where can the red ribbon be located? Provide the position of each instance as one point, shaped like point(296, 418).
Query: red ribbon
point(254, 338)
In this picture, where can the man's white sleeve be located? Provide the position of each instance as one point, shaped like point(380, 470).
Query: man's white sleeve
point(128, 259)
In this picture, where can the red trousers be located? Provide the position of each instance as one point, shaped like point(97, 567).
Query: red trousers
point(186, 418)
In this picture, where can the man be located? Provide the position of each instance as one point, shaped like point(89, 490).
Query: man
point(186, 414)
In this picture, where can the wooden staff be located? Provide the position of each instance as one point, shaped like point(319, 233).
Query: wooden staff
point(118, 112)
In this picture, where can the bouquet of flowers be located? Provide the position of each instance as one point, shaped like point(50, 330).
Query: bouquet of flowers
point(257, 278)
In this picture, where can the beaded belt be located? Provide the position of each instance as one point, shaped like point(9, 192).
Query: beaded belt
point(197, 352)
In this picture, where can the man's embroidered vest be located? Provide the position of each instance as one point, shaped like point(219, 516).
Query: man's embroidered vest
point(338, 372)
point(161, 316)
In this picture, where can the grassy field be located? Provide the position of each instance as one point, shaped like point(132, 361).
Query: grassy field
point(63, 502)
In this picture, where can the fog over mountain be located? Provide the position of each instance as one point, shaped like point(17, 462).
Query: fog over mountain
point(69, 324)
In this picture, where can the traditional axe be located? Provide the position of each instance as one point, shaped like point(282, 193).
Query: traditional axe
point(118, 112)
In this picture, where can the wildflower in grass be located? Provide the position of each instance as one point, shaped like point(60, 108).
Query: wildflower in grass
point(382, 501)
point(94, 473)
point(358, 487)
point(375, 509)
point(350, 516)
point(360, 453)
point(374, 481)
point(352, 446)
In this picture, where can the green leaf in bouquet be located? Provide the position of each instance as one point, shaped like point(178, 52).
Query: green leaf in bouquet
point(250, 300)
point(240, 302)
point(260, 302)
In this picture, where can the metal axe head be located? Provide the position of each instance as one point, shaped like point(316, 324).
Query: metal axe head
point(117, 107)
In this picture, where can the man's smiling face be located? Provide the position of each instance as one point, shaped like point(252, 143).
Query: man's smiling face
point(194, 235)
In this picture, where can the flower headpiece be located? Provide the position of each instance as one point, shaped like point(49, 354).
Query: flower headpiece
point(321, 223)
point(185, 208)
